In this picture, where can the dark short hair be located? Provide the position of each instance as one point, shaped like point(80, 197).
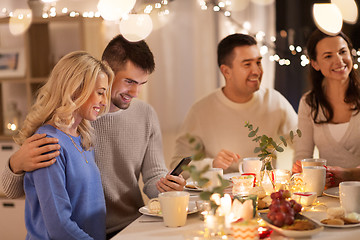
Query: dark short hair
point(226, 46)
point(119, 51)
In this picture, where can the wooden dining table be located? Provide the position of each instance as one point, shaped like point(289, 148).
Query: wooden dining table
point(153, 228)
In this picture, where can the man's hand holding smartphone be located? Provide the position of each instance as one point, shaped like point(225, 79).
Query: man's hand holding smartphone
point(174, 181)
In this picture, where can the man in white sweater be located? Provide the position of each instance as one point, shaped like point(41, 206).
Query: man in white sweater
point(128, 142)
point(217, 121)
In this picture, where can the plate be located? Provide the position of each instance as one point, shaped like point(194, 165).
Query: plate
point(228, 176)
point(193, 188)
point(332, 192)
point(145, 210)
point(294, 233)
point(318, 216)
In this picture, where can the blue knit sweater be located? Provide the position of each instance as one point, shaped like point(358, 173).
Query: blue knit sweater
point(65, 200)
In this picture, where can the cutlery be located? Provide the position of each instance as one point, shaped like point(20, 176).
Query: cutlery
point(149, 221)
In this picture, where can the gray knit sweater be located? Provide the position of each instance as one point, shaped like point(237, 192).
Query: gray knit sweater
point(128, 143)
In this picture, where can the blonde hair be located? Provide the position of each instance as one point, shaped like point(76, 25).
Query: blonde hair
point(70, 84)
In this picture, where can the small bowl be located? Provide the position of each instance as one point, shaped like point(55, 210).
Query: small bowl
point(304, 198)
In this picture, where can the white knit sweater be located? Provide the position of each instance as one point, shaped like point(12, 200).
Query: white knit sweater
point(219, 124)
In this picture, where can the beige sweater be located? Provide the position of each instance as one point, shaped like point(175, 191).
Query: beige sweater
point(218, 123)
point(345, 153)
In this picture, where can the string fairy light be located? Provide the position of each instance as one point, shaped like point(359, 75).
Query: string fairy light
point(224, 7)
point(160, 8)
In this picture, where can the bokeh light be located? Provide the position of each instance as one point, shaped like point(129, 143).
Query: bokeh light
point(113, 10)
point(136, 27)
point(20, 21)
point(349, 10)
point(327, 18)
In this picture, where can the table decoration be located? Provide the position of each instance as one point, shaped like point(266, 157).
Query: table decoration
point(245, 230)
point(242, 184)
point(282, 179)
point(222, 209)
point(297, 183)
point(267, 152)
point(244, 207)
point(264, 232)
point(304, 198)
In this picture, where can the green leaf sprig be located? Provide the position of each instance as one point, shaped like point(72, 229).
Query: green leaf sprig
point(197, 174)
point(267, 145)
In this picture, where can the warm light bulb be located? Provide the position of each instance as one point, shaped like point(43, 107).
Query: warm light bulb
point(20, 21)
point(136, 27)
point(327, 18)
point(238, 6)
point(349, 10)
point(263, 2)
point(112, 10)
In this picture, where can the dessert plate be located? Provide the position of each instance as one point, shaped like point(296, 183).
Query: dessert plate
point(191, 186)
point(332, 192)
point(145, 210)
point(318, 216)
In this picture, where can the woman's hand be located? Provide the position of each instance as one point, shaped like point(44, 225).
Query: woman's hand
point(297, 167)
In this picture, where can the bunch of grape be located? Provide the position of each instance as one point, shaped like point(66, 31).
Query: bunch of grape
point(281, 211)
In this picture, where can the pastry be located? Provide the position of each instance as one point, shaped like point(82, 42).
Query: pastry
point(333, 221)
point(336, 212)
point(154, 206)
point(301, 225)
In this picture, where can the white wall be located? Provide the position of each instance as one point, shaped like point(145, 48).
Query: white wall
point(186, 60)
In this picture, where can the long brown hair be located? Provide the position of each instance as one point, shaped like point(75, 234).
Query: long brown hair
point(316, 98)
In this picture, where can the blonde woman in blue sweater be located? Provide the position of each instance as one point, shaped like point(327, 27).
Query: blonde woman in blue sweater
point(66, 200)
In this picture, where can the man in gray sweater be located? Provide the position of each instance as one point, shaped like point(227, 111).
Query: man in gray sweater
point(128, 142)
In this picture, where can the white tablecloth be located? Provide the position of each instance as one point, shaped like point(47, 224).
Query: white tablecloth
point(157, 231)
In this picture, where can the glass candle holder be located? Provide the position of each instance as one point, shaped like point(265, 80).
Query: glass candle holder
point(282, 179)
point(242, 184)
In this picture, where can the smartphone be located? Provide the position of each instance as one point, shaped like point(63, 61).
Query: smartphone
point(178, 169)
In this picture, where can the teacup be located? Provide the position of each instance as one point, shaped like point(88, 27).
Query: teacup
point(250, 165)
point(313, 162)
point(314, 178)
point(350, 196)
point(174, 207)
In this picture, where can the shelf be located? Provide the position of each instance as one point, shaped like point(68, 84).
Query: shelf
point(44, 43)
point(6, 138)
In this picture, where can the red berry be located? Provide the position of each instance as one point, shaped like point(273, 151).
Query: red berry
point(297, 207)
point(289, 219)
point(292, 202)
